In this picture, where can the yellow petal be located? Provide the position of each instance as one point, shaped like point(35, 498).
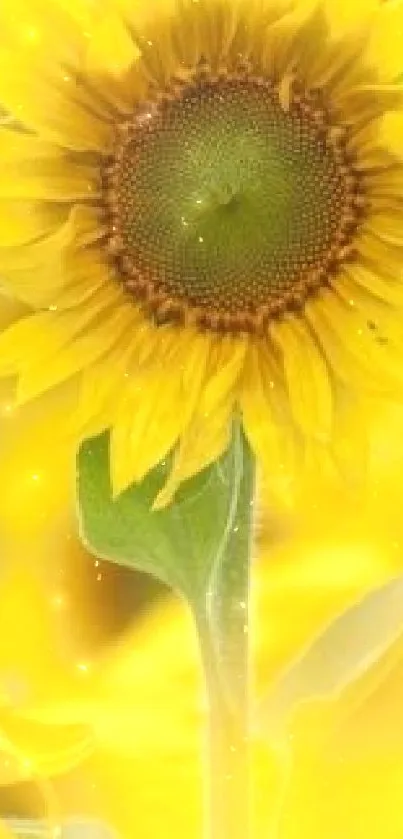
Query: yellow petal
point(151, 422)
point(383, 288)
point(37, 272)
point(37, 377)
point(199, 446)
point(41, 91)
point(384, 51)
point(289, 37)
point(156, 418)
point(41, 29)
point(384, 258)
point(81, 288)
point(33, 256)
point(208, 433)
point(190, 366)
point(194, 371)
point(109, 58)
point(148, 421)
point(390, 132)
point(17, 341)
point(102, 385)
point(39, 748)
point(138, 13)
point(307, 377)
point(37, 338)
point(50, 180)
point(352, 348)
point(382, 319)
point(16, 147)
point(223, 376)
point(345, 16)
point(32, 168)
point(387, 227)
point(350, 439)
point(82, 12)
point(364, 103)
point(267, 423)
point(49, 109)
point(22, 221)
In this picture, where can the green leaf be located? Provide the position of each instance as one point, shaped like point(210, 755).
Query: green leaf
point(182, 545)
point(199, 545)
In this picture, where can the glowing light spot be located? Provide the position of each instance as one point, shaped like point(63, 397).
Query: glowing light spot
point(32, 34)
point(59, 601)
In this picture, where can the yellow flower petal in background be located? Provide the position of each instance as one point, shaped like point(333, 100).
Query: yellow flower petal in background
point(147, 710)
point(39, 477)
point(347, 742)
point(29, 749)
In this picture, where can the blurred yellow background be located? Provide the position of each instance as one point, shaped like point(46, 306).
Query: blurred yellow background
point(112, 710)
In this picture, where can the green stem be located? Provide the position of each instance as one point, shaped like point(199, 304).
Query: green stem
point(224, 637)
point(227, 765)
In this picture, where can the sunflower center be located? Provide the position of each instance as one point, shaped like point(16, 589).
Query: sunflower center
point(229, 202)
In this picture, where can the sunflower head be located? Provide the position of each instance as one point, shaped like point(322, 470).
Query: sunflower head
point(231, 198)
point(202, 201)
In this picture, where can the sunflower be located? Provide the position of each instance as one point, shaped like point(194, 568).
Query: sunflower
point(200, 205)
